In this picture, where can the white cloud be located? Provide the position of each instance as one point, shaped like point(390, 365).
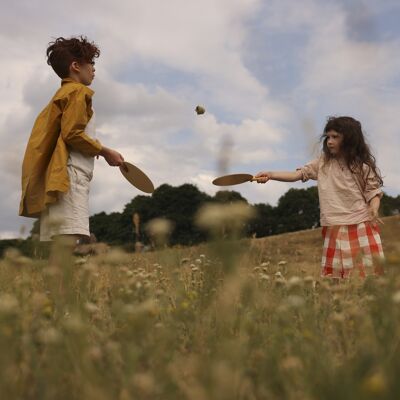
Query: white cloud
point(154, 125)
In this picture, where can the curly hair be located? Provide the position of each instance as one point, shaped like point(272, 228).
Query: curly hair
point(62, 52)
point(354, 148)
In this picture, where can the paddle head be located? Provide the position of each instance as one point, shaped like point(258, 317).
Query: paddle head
point(137, 177)
point(233, 179)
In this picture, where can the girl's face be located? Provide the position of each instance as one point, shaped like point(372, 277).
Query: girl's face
point(334, 142)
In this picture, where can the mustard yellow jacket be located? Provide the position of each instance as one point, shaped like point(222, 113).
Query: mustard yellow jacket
point(60, 126)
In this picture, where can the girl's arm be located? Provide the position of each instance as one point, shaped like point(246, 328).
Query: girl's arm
point(374, 204)
point(282, 176)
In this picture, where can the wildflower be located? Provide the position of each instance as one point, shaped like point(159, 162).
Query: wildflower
point(214, 217)
point(396, 297)
point(338, 317)
point(291, 363)
point(264, 277)
point(8, 304)
point(144, 383)
point(294, 282)
point(375, 384)
point(278, 275)
point(81, 260)
point(74, 323)
point(115, 256)
point(265, 264)
point(94, 353)
point(49, 336)
point(39, 301)
point(295, 301)
point(280, 263)
point(91, 308)
point(159, 229)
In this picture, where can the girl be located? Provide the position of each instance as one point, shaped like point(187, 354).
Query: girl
point(349, 190)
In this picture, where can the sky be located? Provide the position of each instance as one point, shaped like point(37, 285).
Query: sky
point(268, 72)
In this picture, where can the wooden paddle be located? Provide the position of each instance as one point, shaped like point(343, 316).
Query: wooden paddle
point(233, 179)
point(137, 177)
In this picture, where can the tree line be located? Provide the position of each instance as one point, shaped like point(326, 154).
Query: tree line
point(297, 209)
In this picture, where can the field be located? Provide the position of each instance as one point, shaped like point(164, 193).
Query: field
point(233, 319)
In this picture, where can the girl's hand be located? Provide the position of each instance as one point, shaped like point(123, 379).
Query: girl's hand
point(374, 215)
point(263, 177)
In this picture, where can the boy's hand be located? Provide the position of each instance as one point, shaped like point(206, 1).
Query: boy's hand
point(112, 157)
point(263, 177)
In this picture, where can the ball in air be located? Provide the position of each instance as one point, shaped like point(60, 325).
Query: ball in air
point(200, 110)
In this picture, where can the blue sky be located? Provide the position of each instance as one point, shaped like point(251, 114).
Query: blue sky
point(268, 72)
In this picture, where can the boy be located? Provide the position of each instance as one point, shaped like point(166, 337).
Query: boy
point(59, 158)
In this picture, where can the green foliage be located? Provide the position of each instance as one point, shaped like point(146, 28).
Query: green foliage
point(297, 209)
point(265, 221)
point(390, 205)
point(228, 196)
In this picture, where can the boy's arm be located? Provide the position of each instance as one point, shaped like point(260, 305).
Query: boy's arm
point(282, 176)
point(73, 124)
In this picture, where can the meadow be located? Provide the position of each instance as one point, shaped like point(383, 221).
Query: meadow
point(230, 319)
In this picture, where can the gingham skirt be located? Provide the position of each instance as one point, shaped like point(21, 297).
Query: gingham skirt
point(352, 250)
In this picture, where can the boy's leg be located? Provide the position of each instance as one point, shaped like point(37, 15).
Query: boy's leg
point(61, 256)
point(70, 214)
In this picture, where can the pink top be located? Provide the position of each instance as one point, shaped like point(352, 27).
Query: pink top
point(341, 199)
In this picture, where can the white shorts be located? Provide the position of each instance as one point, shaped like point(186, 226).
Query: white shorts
point(70, 214)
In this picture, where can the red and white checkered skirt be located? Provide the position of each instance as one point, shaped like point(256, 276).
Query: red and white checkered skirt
point(352, 249)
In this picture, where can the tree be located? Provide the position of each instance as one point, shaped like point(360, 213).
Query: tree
point(107, 227)
point(228, 196)
point(265, 221)
point(390, 205)
point(180, 205)
point(298, 209)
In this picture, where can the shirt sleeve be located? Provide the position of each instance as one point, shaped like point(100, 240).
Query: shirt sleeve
point(372, 185)
point(74, 119)
point(310, 170)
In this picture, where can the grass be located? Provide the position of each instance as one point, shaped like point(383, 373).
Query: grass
point(247, 319)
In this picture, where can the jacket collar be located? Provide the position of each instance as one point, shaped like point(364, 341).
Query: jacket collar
point(67, 80)
point(70, 80)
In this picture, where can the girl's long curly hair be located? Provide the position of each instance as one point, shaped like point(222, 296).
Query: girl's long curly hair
point(354, 148)
point(62, 52)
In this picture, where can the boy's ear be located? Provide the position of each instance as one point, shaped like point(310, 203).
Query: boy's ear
point(74, 67)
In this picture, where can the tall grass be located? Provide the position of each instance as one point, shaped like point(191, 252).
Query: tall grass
point(219, 322)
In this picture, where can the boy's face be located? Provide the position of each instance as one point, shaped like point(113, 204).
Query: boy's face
point(82, 72)
point(334, 142)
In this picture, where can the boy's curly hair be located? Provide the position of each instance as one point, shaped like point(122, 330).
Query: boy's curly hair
point(62, 52)
point(355, 149)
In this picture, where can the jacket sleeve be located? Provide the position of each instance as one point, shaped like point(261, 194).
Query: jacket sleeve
point(75, 117)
